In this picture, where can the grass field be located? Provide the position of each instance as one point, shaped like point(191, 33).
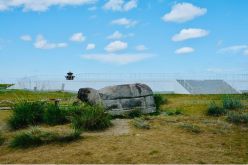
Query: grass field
point(192, 137)
point(8, 97)
point(4, 86)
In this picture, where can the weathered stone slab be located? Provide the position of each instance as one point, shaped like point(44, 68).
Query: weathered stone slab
point(125, 91)
point(121, 99)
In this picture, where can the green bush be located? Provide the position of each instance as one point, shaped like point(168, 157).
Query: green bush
point(26, 113)
point(90, 118)
point(215, 110)
point(55, 115)
point(238, 118)
point(76, 110)
point(159, 100)
point(231, 103)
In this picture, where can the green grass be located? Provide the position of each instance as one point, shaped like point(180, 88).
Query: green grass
point(159, 101)
point(238, 117)
point(35, 137)
point(26, 113)
point(172, 112)
point(90, 118)
point(31, 138)
point(215, 110)
point(4, 86)
point(55, 115)
point(231, 103)
point(19, 95)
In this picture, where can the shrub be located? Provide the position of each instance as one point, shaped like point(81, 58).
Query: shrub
point(26, 113)
point(90, 118)
point(238, 118)
point(215, 110)
point(54, 115)
point(159, 100)
point(191, 128)
point(75, 110)
point(231, 103)
point(141, 123)
point(1, 139)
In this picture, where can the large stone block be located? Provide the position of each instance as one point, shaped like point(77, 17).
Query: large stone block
point(121, 99)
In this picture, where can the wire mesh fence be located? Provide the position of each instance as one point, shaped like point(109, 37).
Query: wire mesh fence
point(192, 83)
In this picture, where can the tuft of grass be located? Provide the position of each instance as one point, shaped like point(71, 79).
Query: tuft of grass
point(237, 118)
point(141, 123)
point(90, 117)
point(32, 138)
point(26, 113)
point(159, 101)
point(215, 110)
point(1, 139)
point(173, 112)
point(231, 103)
point(191, 128)
point(35, 137)
point(55, 115)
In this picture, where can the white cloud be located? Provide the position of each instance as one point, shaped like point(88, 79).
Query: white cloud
point(191, 33)
point(183, 12)
point(42, 43)
point(40, 5)
point(78, 37)
point(121, 59)
point(90, 46)
point(116, 46)
point(118, 35)
point(236, 49)
point(184, 50)
point(120, 5)
point(141, 48)
point(124, 22)
point(115, 35)
point(26, 38)
point(130, 5)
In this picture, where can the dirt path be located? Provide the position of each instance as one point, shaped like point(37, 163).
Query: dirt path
point(120, 127)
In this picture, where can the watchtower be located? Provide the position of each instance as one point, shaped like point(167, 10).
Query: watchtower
point(69, 76)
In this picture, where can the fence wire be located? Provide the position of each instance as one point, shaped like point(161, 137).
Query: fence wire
point(161, 82)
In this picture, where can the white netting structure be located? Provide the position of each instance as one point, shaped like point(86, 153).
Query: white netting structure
point(160, 82)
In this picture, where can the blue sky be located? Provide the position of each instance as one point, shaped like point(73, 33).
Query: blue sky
point(123, 36)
